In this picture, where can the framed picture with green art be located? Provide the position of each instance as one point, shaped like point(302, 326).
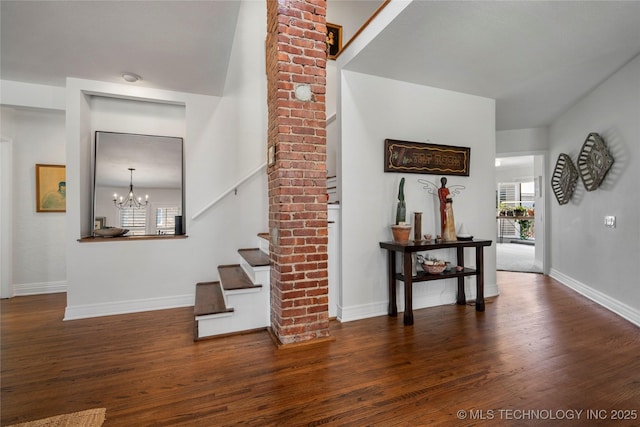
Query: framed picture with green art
point(51, 188)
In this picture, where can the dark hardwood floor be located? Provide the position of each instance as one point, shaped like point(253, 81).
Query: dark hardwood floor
point(538, 347)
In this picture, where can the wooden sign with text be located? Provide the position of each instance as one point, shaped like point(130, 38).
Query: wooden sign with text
point(417, 157)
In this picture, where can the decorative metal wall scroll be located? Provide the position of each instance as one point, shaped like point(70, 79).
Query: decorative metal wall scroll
point(564, 178)
point(417, 157)
point(594, 161)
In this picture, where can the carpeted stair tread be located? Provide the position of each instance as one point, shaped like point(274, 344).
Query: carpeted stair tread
point(255, 257)
point(210, 299)
point(233, 277)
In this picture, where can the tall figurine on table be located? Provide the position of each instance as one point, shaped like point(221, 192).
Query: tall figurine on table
point(445, 196)
point(447, 222)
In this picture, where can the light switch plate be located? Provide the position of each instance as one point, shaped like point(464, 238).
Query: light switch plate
point(610, 221)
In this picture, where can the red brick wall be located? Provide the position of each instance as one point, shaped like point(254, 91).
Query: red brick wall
point(295, 50)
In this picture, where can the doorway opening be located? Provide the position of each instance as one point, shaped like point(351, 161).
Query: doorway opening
point(519, 212)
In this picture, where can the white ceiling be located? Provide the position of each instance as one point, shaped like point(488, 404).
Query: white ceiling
point(157, 161)
point(536, 58)
point(176, 45)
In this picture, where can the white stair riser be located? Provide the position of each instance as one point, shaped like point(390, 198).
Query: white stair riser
point(258, 275)
point(263, 244)
point(251, 311)
point(252, 307)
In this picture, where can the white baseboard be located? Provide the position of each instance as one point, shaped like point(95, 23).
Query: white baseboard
point(126, 307)
point(363, 311)
point(24, 289)
point(629, 313)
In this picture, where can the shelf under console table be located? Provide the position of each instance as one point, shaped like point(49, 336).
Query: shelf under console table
point(411, 247)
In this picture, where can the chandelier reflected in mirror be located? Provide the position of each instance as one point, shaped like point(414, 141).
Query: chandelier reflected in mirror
point(131, 201)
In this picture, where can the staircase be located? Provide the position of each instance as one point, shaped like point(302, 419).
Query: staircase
point(240, 300)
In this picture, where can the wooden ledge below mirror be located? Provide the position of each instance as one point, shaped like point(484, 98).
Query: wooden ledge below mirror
point(94, 239)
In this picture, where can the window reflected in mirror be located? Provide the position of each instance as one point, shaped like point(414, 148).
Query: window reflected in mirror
point(138, 183)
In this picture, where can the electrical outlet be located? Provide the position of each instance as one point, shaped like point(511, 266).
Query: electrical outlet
point(610, 221)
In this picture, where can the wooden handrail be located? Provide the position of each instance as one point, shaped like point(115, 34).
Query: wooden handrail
point(367, 22)
point(231, 189)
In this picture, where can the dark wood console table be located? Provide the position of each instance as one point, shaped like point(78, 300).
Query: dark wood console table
point(411, 247)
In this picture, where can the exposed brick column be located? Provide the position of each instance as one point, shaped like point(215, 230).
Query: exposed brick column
point(296, 31)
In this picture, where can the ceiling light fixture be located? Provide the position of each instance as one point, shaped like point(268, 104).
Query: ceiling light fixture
point(131, 77)
point(131, 201)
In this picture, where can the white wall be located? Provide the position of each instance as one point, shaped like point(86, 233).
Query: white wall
point(6, 213)
point(514, 174)
point(224, 139)
point(337, 12)
point(541, 198)
point(373, 109)
point(37, 263)
point(242, 123)
point(527, 141)
point(602, 263)
point(332, 124)
point(132, 116)
point(112, 277)
point(351, 15)
point(6, 202)
point(30, 95)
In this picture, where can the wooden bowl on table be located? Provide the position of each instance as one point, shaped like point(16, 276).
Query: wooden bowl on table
point(434, 268)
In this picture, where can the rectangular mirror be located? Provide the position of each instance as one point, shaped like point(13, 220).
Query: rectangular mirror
point(138, 183)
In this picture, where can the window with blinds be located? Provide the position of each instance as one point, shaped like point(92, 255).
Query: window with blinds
point(514, 194)
point(508, 194)
point(135, 220)
point(166, 219)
